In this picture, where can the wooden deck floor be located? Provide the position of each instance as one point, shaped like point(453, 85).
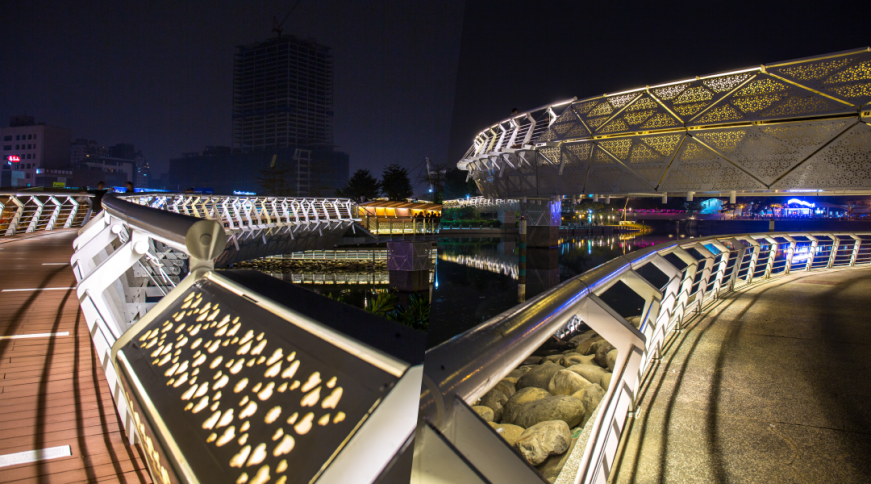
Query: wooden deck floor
point(52, 389)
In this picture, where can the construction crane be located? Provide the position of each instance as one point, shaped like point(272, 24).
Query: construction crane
point(278, 27)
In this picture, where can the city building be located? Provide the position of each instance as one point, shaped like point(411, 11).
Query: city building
point(282, 121)
point(27, 146)
point(82, 148)
point(111, 171)
point(283, 94)
point(115, 165)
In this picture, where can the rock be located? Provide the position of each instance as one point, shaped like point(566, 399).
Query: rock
point(577, 340)
point(634, 321)
point(594, 347)
point(520, 398)
point(606, 381)
point(611, 360)
point(508, 432)
point(505, 387)
point(544, 439)
point(571, 359)
point(552, 358)
point(563, 407)
point(539, 376)
point(516, 374)
point(565, 382)
point(590, 397)
point(495, 400)
point(602, 353)
point(532, 360)
point(553, 465)
point(584, 348)
point(484, 412)
point(593, 373)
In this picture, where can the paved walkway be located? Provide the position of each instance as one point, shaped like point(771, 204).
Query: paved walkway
point(53, 392)
point(771, 385)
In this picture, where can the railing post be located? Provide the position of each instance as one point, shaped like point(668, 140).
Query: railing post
point(72, 215)
point(769, 266)
point(813, 252)
point(835, 243)
point(790, 251)
point(857, 242)
point(754, 256)
point(34, 219)
point(54, 214)
point(16, 218)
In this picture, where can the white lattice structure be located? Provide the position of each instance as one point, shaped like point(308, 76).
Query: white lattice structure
point(27, 212)
point(794, 125)
point(261, 226)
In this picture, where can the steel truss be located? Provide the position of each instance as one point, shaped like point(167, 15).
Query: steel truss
point(794, 125)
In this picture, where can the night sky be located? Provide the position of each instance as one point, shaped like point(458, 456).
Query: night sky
point(526, 54)
point(158, 74)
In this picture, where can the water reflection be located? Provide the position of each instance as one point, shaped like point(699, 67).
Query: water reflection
point(477, 277)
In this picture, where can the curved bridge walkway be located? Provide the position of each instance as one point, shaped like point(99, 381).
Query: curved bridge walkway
point(53, 391)
point(770, 384)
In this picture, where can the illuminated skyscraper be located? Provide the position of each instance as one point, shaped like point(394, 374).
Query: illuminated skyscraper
point(283, 94)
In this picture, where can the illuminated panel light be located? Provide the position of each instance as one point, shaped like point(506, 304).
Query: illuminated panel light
point(291, 400)
point(796, 201)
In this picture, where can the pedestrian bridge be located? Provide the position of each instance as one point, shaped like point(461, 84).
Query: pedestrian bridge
point(736, 369)
point(192, 359)
point(799, 125)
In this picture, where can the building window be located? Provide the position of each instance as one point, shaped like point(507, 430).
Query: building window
point(7, 147)
point(7, 137)
point(17, 137)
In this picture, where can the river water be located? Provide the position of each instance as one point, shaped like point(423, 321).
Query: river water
point(476, 278)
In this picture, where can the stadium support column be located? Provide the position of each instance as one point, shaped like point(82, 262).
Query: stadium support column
point(408, 264)
point(543, 221)
point(507, 217)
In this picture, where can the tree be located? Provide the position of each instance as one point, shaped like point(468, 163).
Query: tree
point(274, 181)
point(395, 183)
point(361, 184)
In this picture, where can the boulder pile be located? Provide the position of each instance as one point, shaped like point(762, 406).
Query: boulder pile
point(541, 407)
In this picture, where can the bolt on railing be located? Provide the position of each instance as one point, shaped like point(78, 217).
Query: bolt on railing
point(463, 369)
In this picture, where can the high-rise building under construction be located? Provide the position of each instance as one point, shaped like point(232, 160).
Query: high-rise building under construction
point(283, 94)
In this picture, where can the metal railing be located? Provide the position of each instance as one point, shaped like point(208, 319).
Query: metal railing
point(142, 269)
point(484, 205)
point(696, 271)
point(29, 211)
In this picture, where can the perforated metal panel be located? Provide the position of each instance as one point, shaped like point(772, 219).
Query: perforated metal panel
point(225, 389)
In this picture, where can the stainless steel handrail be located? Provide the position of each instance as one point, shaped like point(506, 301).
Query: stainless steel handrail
point(470, 364)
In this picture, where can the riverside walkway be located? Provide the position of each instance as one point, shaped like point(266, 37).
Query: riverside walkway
point(768, 384)
point(53, 392)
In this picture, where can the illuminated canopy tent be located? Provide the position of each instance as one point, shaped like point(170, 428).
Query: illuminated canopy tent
point(793, 125)
point(397, 209)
